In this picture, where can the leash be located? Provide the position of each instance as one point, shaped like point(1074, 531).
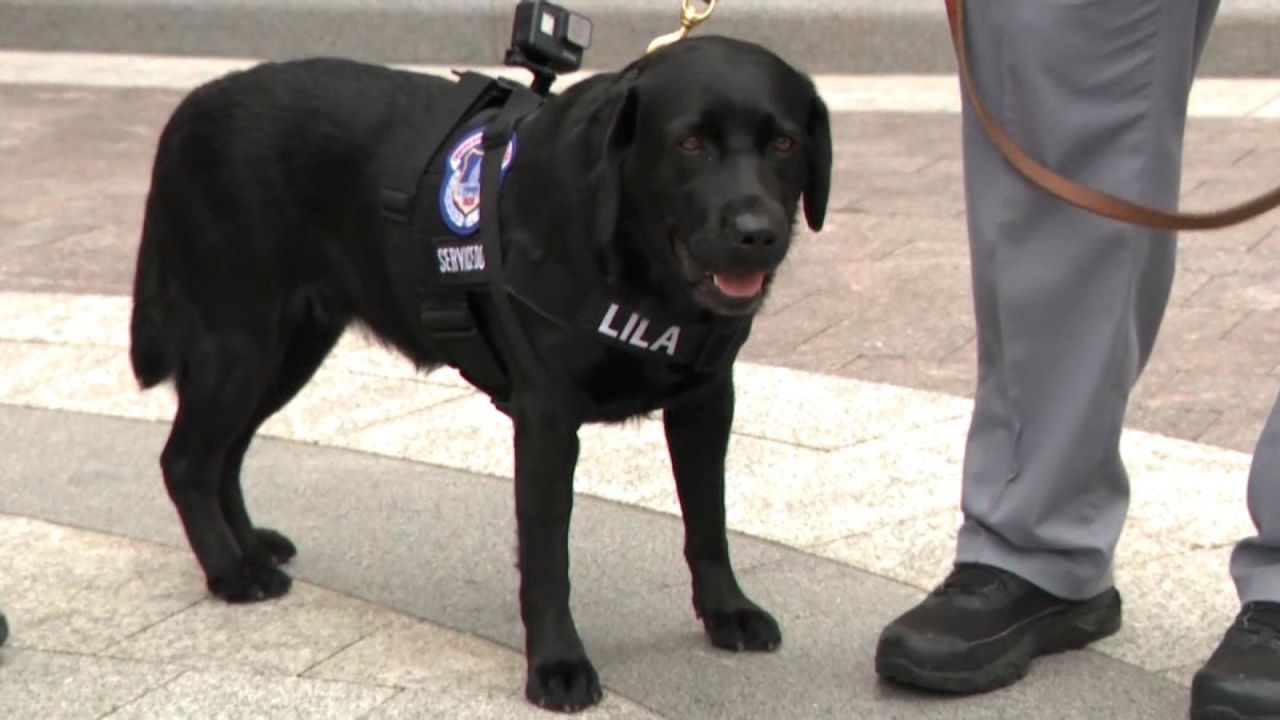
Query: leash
point(1079, 195)
point(690, 17)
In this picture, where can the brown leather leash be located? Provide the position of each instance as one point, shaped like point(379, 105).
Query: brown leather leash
point(1079, 195)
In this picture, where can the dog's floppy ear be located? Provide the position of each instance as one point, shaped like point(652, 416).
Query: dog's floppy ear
point(818, 187)
point(617, 115)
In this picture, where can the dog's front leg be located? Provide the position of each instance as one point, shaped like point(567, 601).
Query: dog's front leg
point(560, 675)
point(698, 439)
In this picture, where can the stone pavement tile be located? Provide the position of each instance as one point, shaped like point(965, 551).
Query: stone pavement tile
point(59, 318)
point(341, 403)
point(955, 374)
point(932, 328)
point(450, 675)
point(1187, 332)
point(923, 195)
point(467, 433)
point(918, 551)
point(75, 591)
point(1227, 252)
point(1259, 326)
point(1268, 246)
point(83, 378)
point(1174, 422)
point(927, 238)
point(422, 656)
point(1175, 609)
point(1217, 138)
point(1183, 675)
point(1240, 383)
point(284, 636)
point(631, 464)
point(235, 695)
point(845, 236)
point(54, 686)
point(827, 413)
point(849, 491)
point(929, 313)
point(467, 701)
point(1184, 497)
point(1186, 283)
point(1239, 429)
point(359, 353)
point(774, 339)
point(853, 164)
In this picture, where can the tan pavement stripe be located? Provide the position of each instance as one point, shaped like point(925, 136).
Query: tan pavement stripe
point(861, 473)
point(1211, 97)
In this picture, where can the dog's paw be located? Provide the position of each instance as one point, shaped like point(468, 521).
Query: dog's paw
point(742, 629)
point(251, 582)
point(275, 548)
point(563, 685)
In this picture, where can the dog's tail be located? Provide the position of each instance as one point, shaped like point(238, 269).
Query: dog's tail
point(151, 348)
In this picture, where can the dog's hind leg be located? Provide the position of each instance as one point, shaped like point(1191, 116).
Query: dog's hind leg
point(220, 386)
point(308, 345)
point(698, 439)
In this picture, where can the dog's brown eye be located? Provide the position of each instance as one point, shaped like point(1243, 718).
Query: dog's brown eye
point(784, 144)
point(691, 144)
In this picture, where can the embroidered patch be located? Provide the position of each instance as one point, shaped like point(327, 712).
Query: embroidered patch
point(460, 190)
point(455, 259)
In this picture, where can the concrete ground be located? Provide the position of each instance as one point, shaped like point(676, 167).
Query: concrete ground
point(859, 36)
point(843, 469)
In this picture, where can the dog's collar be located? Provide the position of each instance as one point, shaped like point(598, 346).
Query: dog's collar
point(638, 328)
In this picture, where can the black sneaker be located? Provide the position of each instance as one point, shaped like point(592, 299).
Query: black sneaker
point(1241, 681)
point(980, 629)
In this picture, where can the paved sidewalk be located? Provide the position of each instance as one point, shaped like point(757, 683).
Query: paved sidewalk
point(843, 468)
point(846, 36)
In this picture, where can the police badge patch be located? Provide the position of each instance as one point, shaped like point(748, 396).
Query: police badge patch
point(460, 190)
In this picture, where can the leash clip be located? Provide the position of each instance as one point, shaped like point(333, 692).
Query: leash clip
point(690, 17)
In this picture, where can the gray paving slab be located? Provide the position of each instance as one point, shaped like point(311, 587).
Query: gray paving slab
point(436, 545)
point(234, 695)
point(899, 36)
point(38, 684)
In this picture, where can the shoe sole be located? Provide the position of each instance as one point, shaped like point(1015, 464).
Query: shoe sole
point(1071, 630)
point(1221, 713)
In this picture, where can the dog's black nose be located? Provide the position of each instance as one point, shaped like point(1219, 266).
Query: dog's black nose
point(753, 229)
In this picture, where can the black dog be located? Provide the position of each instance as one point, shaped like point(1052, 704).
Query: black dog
point(672, 185)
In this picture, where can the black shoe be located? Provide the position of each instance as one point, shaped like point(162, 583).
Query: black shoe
point(4, 629)
point(1241, 681)
point(980, 629)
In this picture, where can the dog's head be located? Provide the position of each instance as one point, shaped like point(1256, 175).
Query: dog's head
point(710, 147)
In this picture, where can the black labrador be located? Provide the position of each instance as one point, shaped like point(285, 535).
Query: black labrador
point(675, 181)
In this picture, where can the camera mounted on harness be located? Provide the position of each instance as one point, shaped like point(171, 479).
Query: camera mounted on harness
point(548, 40)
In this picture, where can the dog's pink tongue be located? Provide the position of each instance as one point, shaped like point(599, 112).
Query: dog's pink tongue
point(739, 284)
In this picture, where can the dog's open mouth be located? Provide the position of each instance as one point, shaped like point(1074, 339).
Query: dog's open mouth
point(737, 291)
point(739, 284)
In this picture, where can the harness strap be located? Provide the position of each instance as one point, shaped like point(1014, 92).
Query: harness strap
point(414, 153)
point(524, 362)
point(442, 317)
point(547, 289)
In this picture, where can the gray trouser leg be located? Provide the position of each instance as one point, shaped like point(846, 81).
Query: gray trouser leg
point(1067, 304)
point(1255, 564)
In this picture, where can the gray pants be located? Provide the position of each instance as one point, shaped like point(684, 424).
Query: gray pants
point(1068, 305)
